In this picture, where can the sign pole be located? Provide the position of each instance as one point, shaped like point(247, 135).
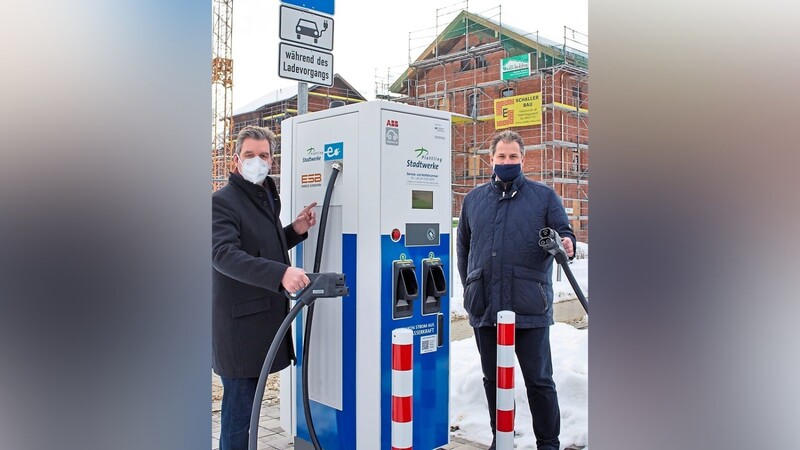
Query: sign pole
point(302, 98)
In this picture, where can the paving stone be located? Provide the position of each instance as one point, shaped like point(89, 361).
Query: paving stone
point(272, 436)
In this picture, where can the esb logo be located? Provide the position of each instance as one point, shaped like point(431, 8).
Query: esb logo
point(309, 178)
point(392, 123)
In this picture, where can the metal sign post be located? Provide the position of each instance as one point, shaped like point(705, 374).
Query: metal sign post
point(302, 98)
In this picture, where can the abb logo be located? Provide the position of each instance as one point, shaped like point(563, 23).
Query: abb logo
point(311, 178)
point(392, 123)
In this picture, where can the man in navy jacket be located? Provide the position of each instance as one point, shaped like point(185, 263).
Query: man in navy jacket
point(251, 268)
point(502, 267)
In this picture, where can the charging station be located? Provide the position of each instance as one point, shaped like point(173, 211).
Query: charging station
point(388, 231)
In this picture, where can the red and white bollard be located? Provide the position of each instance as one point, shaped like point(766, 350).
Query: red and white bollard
point(402, 388)
point(505, 380)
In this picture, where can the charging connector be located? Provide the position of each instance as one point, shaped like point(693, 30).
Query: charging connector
point(550, 241)
point(322, 285)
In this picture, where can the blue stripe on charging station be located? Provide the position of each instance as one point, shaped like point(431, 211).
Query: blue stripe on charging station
point(431, 370)
point(335, 429)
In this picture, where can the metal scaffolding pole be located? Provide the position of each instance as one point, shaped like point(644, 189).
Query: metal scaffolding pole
point(222, 92)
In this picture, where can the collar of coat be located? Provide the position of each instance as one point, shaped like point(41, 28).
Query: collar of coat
point(236, 178)
point(253, 189)
point(507, 189)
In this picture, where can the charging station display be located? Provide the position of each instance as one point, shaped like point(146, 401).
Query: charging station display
point(388, 231)
point(422, 199)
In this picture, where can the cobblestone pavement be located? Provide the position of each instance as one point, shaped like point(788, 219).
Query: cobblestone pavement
point(272, 437)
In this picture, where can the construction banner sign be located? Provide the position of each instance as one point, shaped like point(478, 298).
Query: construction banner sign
point(518, 111)
point(515, 67)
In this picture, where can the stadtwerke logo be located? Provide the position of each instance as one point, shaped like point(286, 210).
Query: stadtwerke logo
point(312, 155)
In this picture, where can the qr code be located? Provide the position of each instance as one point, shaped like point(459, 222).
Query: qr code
point(427, 344)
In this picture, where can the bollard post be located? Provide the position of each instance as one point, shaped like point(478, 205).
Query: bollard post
point(505, 380)
point(402, 388)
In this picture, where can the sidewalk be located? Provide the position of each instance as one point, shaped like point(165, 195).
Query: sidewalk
point(272, 437)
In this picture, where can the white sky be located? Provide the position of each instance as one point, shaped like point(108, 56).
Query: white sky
point(374, 35)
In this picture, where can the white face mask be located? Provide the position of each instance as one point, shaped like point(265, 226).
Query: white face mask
point(255, 170)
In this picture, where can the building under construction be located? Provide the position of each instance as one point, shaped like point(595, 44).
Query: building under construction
point(460, 71)
point(271, 109)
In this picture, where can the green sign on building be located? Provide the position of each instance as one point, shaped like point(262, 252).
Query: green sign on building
point(515, 67)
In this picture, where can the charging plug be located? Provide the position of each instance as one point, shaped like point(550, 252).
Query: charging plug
point(551, 243)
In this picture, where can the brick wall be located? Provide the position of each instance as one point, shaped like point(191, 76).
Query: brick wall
point(470, 85)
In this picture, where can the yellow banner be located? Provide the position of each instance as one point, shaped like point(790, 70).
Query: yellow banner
point(518, 111)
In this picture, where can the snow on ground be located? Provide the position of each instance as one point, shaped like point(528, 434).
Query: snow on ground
point(468, 408)
point(569, 347)
point(579, 266)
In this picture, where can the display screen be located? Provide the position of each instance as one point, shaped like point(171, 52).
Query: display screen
point(421, 199)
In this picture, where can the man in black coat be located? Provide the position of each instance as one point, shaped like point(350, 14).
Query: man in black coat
point(502, 267)
point(251, 269)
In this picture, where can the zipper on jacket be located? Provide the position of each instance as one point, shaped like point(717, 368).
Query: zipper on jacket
point(544, 296)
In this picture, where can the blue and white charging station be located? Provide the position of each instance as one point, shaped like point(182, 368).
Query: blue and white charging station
point(388, 231)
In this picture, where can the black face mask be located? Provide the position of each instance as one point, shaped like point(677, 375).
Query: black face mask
point(507, 172)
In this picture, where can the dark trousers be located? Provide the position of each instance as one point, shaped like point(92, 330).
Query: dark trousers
point(237, 404)
point(532, 346)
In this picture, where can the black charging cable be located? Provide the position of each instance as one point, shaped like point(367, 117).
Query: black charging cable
point(323, 223)
point(322, 285)
point(550, 241)
point(302, 300)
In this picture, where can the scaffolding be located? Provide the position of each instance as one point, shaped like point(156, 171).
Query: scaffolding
point(460, 72)
point(564, 139)
point(222, 144)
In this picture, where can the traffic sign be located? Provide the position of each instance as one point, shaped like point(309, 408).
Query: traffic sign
point(325, 6)
point(306, 28)
point(305, 64)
